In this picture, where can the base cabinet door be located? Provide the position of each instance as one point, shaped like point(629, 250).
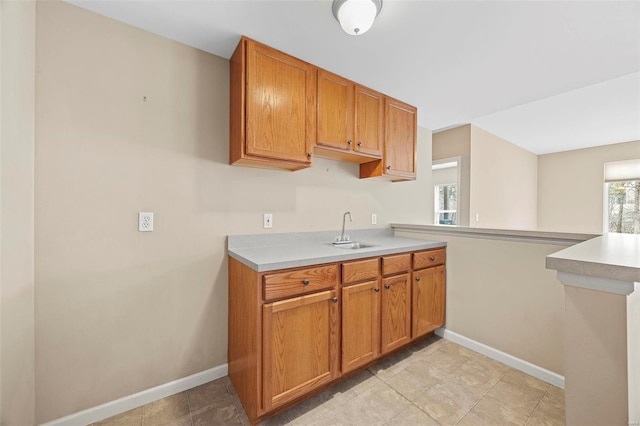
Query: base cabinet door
point(300, 346)
point(360, 324)
point(428, 300)
point(396, 308)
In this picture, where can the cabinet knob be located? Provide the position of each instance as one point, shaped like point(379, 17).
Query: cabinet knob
point(432, 258)
point(417, 278)
point(387, 286)
point(377, 289)
point(359, 143)
point(349, 142)
point(309, 154)
point(305, 282)
point(388, 167)
point(334, 300)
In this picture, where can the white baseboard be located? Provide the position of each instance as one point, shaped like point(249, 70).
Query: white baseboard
point(510, 360)
point(100, 412)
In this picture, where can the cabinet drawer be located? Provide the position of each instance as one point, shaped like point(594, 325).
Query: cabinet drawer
point(396, 264)
point(362, 270)
point(426, 259)
point(301, 281)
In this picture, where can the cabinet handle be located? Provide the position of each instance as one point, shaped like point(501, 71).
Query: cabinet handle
point(349, 142)
point(359, 144)
point(388, 167)
point(305, 282)
point(309, 154)
point(377, 289)
point(334, 300)
point(432, 258)
point(417, 278)
point(387, 286)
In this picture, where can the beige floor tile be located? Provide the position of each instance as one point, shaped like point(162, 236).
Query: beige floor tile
point(472, 419)
point(128, 418)
point(222, 411)
point(548, 413)
point(308, 410)
point(414, 380)
point(375, 407)
point(515, 402)
point(476, 377)
point(455, 349)
point(412, 416)
point(391, 365)
point(207, 394)
point(445, 361)
point(556, 394)
point(173, 410)
point(526, 384)
point(488, 363)
point(240, 409)
point(446, 402)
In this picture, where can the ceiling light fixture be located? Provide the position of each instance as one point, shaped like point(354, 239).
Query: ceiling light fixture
point(356, 16)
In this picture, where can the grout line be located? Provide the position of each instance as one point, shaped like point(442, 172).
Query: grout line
point(483, 395)
point(536, 407)
point(189, 405)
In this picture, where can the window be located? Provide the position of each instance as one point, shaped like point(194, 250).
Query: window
point(446, 204)
point(623, 207)
point(622, 197)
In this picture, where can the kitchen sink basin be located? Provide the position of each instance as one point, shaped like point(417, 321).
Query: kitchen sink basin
point(352, 246)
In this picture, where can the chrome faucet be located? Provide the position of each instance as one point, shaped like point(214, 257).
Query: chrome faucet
point(344, 238)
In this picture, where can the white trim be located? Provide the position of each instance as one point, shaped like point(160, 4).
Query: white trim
point(608, 285)
point(503, 357)
point(100, 412)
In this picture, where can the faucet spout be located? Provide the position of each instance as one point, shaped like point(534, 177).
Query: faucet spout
point(343, 237)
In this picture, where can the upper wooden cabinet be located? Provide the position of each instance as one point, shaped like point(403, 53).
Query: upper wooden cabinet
point(349, 120)
point(272, 108)
point(399, 162)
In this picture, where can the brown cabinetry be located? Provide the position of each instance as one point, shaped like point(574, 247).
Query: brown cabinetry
point(399, 160)
point(294, 331)
point(300, 346)
point(428, 299)
point(349, 120)
point(272, 108)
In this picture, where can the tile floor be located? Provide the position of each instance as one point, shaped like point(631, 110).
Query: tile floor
point(435, 382)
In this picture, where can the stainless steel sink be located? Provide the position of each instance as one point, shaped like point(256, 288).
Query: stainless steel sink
point(352, 246)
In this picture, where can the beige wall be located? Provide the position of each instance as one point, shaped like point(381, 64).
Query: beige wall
point(500, 294)
point(503, 183)
point(454, 142)
point(120, 311)
point(17, 85)
point(570, 187)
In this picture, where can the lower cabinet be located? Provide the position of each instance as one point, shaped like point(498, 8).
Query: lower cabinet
point(294, 331)
point(428, 300)
point(396, 312)
point(300, 346)
point(360, 324)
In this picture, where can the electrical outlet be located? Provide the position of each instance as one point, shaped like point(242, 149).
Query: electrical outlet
point(374, 219)
point(145, 222)
point(267, 220)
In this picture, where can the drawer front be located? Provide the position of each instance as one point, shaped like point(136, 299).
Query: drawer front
point(353, 272)
point(396, 264)
point(426, 259)
point(301, 281)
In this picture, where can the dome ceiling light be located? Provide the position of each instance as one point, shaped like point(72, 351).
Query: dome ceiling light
point(356, 16)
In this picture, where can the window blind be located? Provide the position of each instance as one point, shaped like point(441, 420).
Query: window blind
point(616, 171)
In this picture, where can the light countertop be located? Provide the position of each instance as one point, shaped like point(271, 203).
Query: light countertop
point(611, 256)
point(268, 252)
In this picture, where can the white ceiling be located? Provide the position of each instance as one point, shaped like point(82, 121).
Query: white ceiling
point(546, 75)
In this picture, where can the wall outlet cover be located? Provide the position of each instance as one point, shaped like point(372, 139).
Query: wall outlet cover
point(145, 222)
point(267, 220)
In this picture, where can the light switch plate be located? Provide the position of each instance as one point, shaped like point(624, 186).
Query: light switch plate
point(374, 219)
point(145, 222)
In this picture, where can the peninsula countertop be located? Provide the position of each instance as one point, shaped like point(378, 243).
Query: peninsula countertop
point(269, 252)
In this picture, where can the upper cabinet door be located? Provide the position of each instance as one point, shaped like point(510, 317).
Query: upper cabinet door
point(400, 139)
point(335, 111)
point(280, 105)
point(369, 121)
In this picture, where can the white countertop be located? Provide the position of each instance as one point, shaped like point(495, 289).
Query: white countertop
point(268, 252)
point(611, 256)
